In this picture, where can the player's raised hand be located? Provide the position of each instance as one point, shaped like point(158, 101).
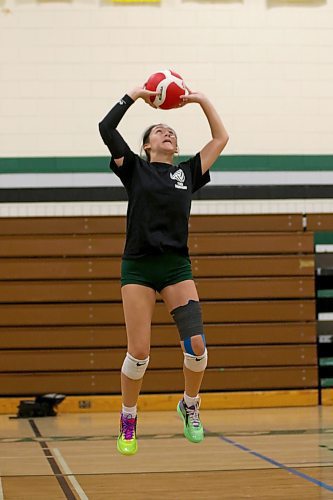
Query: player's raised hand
point(192, 96)
point(143, 93)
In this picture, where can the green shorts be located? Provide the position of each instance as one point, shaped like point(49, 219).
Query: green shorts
point(156, 271)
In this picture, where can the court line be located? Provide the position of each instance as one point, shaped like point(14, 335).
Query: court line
point(70, 475)
point(112, 437)
point(280, 465)
point(53, 464)
point(1, 490)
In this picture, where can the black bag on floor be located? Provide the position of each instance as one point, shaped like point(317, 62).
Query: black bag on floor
point(43, 406)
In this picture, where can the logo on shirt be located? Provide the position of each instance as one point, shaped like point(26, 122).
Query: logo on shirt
point(179, 176)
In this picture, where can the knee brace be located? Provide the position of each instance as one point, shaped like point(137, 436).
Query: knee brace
point(196, 363)
point(134, 368)
point(188, 319)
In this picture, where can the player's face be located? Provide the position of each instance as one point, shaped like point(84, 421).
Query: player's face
point(163, 138)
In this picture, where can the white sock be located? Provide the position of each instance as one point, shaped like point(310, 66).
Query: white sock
point(189, 401)
point(129, 411)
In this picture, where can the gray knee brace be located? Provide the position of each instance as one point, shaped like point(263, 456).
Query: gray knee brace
point(188, 319)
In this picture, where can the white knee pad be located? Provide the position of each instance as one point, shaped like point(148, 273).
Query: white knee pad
point(134, 368)
point(196, 363)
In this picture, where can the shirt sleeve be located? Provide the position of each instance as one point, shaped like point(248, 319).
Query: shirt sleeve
point(115, 142)
point(198, 178)
point(125, 171)
point(112, 119)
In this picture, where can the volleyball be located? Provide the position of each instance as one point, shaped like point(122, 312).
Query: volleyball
point(170, 86)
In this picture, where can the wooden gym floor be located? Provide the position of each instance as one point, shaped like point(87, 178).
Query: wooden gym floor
point(281, 453)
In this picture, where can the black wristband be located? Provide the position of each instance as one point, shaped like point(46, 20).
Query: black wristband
point(127, 99)
point(121, 107)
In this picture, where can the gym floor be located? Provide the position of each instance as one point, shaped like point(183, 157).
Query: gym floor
point(281, 453)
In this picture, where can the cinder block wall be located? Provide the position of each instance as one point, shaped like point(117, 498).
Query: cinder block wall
point(266, 65)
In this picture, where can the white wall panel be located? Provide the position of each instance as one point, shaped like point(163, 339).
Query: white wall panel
point(268, 69)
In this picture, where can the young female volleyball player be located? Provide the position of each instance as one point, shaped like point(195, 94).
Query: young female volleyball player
point(156, 255)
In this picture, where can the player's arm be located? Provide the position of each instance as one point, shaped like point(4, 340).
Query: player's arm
point(108, 126)
point(109, 133)
point(212, 150)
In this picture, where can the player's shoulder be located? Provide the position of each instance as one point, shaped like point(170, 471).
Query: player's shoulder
point(189, 162)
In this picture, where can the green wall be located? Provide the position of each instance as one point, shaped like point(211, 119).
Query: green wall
point(239, 163)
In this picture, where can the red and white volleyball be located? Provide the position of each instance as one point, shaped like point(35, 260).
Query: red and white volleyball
point(169, 85)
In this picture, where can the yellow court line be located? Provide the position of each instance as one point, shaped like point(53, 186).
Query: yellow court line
point(327, 397)
point(165, 402)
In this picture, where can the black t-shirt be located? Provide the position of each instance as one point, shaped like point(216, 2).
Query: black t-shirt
point(159, 203)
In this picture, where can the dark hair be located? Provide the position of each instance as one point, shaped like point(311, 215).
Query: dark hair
point(145, 138)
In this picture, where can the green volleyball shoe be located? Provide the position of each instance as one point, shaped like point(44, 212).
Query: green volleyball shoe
point(126, 442)
point(193, 429)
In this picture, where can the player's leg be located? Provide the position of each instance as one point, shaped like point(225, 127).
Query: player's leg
point(138, 305)
point(183, 303)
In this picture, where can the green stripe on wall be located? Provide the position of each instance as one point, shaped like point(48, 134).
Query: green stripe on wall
point(323, 237)
point(231, 163)
point(326, 362)
point(61, 164)
point(324, 294)
point(326, 382)
point(274, 162)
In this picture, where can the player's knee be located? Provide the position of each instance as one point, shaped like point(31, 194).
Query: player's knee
point(134, 368)
point(195, 353)
point(140, 352)
point(196, 363)
point(188, 319)
point(198, 344)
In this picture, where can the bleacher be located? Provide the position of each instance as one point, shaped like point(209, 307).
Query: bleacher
point(61, 320)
